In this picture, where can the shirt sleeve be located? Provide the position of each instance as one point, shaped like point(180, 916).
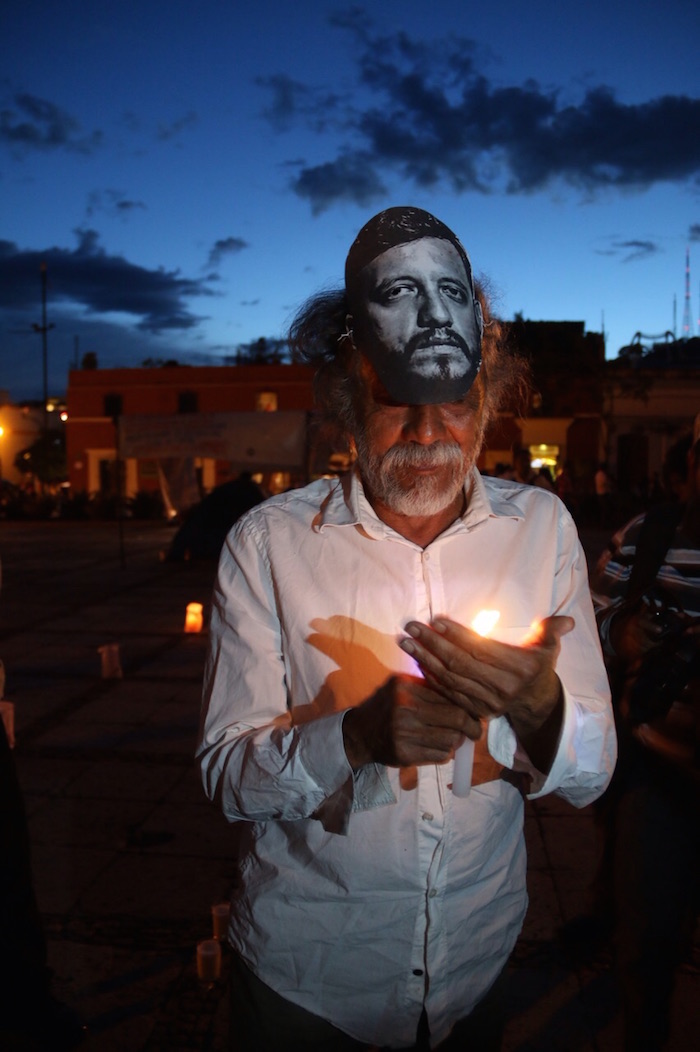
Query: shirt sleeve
point(587, 749)
point(255, 761)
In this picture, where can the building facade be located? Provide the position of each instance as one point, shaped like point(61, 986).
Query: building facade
point(127, 428)
point(101, 401)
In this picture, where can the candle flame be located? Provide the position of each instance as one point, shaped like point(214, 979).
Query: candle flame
point(485, 621)
point(193, 617)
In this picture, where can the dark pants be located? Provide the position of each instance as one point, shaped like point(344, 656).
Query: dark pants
point(262, 1021)
point(656, 867)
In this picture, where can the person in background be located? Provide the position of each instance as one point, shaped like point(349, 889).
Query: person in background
point(543, 478)
point(204, 530)
point(565, 487)
point(372, 748)
point(646, 591)
point(604, 487)
point(522, 464)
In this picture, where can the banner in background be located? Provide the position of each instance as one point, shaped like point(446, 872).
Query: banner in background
point(249, 441)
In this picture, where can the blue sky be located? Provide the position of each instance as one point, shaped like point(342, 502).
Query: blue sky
point(190, 173)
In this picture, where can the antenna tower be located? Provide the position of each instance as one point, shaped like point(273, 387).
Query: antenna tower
point(687, 322)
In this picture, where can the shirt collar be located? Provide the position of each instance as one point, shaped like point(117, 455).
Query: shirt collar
point(347, 505)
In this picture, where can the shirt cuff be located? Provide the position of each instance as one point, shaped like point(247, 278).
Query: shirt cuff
point(323, 755)
point(506, 749)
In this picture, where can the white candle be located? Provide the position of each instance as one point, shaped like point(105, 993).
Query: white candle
point(483, 623)
point(462, 772)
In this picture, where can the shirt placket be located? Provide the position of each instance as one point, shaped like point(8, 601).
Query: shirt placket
point(430, 835)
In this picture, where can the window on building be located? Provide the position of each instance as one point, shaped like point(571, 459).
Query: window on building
point(266, 401)
point(113, 405)
point(187, 402)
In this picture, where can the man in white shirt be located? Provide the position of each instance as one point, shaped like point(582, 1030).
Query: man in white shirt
point(378, 902)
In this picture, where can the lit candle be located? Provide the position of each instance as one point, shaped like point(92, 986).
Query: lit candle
point(483, 623)
point(193, 617)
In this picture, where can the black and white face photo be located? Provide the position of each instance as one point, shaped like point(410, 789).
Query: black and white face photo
point(416, 321)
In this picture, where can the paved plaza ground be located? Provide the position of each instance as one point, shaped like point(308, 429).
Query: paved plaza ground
point(129, 856)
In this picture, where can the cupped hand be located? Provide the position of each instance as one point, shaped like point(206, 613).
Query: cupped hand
point(489, 678)
point(406, 722)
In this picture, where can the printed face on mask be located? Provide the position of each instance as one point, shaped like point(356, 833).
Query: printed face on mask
point(416, 321)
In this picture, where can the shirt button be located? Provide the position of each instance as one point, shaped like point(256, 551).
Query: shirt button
point(427, 816)
point(417, 971)
point(432, 893)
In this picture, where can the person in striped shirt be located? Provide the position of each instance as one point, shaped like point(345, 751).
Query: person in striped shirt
point(646, 593)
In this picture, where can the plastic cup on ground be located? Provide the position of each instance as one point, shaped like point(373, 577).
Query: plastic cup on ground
point(209, 960)
point(220, 913)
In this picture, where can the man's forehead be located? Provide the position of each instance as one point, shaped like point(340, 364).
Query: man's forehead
point(396, 226)
point(427, 253)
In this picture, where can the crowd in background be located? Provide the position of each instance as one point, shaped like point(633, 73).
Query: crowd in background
point(594, 499)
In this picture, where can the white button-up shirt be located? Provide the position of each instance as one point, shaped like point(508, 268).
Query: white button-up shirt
point(365, 896)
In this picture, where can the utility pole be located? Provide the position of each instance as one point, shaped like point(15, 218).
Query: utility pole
point(43, 329)
point(687, 316)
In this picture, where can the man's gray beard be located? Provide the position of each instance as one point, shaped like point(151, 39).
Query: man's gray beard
point(385, 476)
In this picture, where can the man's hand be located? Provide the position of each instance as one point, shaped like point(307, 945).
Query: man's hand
point(406, 722)
point(488, 678)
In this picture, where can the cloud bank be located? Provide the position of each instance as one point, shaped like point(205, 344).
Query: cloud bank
point(28, 122)
point(430, 116)
point(92, 281)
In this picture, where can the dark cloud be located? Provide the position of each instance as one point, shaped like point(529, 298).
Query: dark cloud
point(174, 128)
point(112, 203)
point(226, 246)
point(89, 294)
point(31, 123)
point(351, 177)
point(90, 280)
point(432, 117)
point(291, 101)
point(632, 249)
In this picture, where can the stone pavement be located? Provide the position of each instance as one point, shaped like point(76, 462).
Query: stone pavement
point(129, 856)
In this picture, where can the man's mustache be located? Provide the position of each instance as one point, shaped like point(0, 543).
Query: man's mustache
point(423, 341)
point(414, 455)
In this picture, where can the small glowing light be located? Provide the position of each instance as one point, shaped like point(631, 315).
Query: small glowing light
point(485, 621)
point(193, 617)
